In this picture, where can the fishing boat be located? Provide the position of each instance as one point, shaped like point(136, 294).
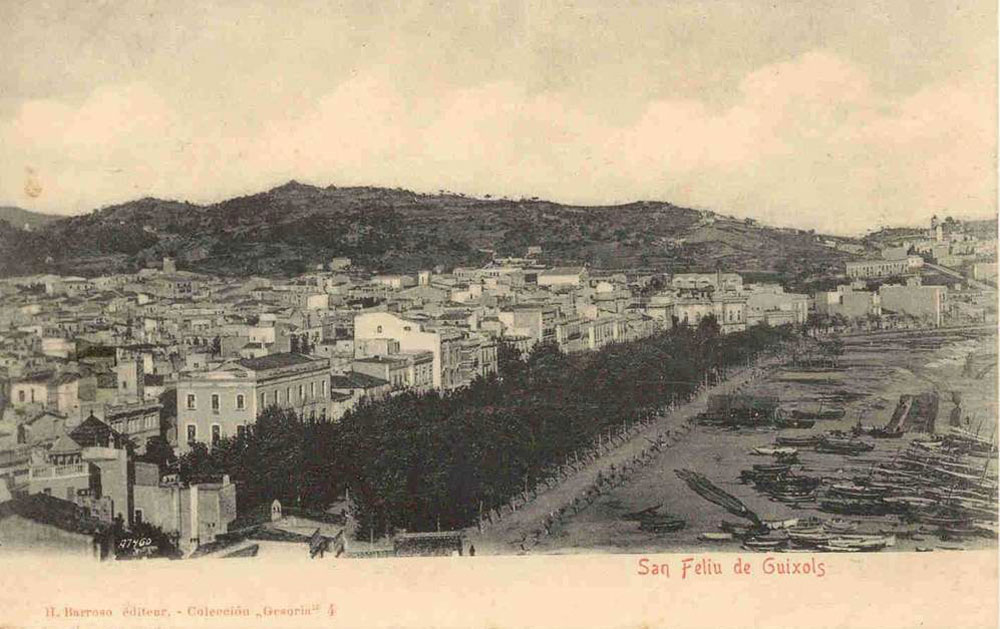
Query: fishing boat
point(856, 491)
point(781, 524)
point(805, 441)
point(868, 543)
point(716, 537)
point(772, 450)
point(838, 525)
point(764, 544)
point(661, 524)
point(793, 497)
point(911, 502)
point(843, 446)
point(772, 467)
point(854, 506)
point(828, 548)
point(809, 540)
point(641, 513)
point(794, 423)
point(820, 414)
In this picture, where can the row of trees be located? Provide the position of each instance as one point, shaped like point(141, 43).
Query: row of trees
point(433, 460)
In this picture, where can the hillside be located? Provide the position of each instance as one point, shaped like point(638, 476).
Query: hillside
point(25, 218)
point(289, 228)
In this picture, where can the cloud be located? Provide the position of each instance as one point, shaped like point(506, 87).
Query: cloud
point(806, 142)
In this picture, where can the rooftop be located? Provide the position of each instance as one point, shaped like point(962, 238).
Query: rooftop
point(276, 361)
point(55, 512)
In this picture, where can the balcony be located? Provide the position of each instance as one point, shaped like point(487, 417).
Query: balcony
point(58, 471)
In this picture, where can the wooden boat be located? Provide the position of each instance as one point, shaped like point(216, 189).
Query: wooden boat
point(661, 524)
point(843, 446)
point(781, 524)
point(741, 529)
point(910, 502)
point(793, 498)
point(821, 414)
point(716, 537)
point(772, 450)
point(641, 513)
point(794, 423)
point(772, 467)
point(856, 491)
point(806, 441)
point(854, 506)
point(961, 532)
point(837, 525)
point(764, 544)
point(838, 549)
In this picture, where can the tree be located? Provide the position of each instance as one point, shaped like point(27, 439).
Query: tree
point(294, 344)
point(160, 452)
point(708, 327)
point(832, 349)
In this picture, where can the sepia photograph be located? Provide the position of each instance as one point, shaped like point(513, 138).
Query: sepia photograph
point(513, 313)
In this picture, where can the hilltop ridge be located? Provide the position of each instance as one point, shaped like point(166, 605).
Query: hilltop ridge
point(295, 226)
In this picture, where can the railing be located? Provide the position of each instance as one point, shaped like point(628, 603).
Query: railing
point(57, 471)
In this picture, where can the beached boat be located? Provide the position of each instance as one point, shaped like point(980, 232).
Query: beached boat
point(773, 450)
point(805, 441)
point(843, 446)
point(764, 544)
point(661, 524)
point(641, 513)
point(851, 506)
point(838, 549)
point(856, 491)
point(794, 423)
point(820, 414)
point(716, 537)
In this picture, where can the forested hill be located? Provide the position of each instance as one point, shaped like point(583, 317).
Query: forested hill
point(293, 227)
point(25, 219)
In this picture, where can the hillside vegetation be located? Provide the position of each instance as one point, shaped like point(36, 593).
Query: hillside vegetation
point(293, 227)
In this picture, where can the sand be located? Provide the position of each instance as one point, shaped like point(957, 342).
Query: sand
point(873, 372)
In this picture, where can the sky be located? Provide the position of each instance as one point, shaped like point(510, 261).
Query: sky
point(840, 117)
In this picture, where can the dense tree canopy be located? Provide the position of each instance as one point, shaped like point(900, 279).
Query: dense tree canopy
point(423, 461)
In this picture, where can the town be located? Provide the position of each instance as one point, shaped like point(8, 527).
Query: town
point(115, 389)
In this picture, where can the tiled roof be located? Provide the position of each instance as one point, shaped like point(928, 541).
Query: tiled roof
point(55, 512)
point(355, 380)
point(273, 361)
point(92, 432)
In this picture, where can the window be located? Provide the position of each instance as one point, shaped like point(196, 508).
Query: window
point(322, 414)
point(215, 402)
point(124, 384)
point(216, 433)
point(138, 516)
point(133, 425)
point(322, 389)
point(241, 402)
point(20, 396)
point(312, 415)
point(241, 431)
point(301, 389)
point(312, 389)
point(263, 400)
point(379, 330)
point(190, 401)
point(192, 433)
point(288, 395)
